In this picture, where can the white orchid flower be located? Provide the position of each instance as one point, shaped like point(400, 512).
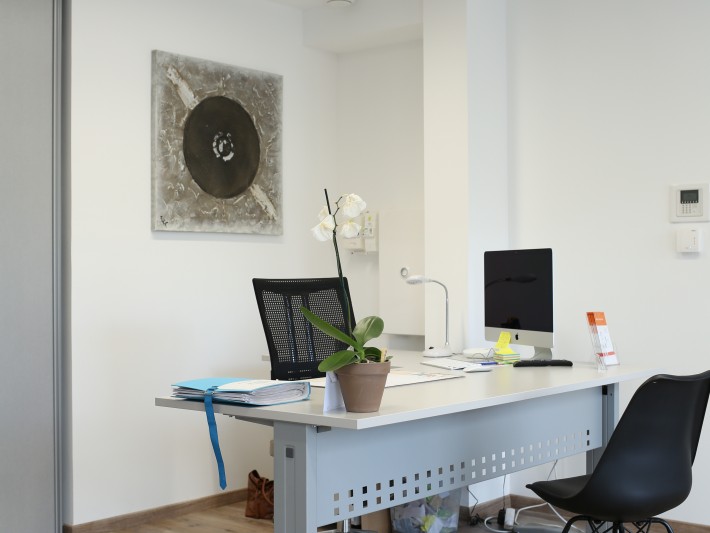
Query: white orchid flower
point(350, 229)
point(353, 205)
point(323, 231)
point(323, 213)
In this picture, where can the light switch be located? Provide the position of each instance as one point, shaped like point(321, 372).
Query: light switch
point(688, 240)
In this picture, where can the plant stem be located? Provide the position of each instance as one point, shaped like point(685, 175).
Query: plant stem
point(343, 292)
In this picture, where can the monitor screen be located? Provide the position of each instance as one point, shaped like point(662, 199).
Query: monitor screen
point(518, 297)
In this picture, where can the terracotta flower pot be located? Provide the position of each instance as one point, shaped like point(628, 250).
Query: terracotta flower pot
point(362, 385)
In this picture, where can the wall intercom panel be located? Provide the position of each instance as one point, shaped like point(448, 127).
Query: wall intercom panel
point(689, 203)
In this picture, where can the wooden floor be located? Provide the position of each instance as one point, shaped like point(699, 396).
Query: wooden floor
point(225, 519)
point(231, 519)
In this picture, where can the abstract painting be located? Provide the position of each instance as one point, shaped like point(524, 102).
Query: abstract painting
point(216, 147)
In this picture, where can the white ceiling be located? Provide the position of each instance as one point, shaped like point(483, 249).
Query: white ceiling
point(367, 24)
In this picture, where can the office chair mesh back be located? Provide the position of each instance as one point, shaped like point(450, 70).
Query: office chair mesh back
point(645, 469)
point(295, 346)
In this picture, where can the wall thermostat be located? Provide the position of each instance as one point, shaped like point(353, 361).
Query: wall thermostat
point(689, 203)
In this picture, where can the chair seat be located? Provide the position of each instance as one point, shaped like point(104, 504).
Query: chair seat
point(569, 494)
point(560, 492)
point(573, 495)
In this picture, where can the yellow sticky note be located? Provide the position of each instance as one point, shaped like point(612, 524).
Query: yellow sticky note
point(502, 347)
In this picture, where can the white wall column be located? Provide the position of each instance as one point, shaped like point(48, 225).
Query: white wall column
point(488, 148)
point(445, 167)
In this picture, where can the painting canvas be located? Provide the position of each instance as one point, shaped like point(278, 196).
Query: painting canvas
point(216, 152)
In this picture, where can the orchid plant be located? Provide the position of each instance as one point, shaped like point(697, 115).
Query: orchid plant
point(349, 206)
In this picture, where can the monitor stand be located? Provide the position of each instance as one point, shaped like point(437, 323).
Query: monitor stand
point(542, 354)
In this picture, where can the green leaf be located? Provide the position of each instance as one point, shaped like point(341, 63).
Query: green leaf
point(329, 329)
point(368, 328)
point(337, 360)
point(373, 354)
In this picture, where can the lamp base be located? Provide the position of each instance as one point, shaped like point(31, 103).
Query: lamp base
point(437, 352)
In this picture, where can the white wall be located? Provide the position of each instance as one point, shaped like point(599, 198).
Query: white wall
point(150, 309)
point(488, 148)
point(608, 107)
point(446, 181)
point(380, 141)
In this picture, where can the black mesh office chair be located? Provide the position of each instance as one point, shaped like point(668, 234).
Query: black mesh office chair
point(645, 469)
point(295, 347)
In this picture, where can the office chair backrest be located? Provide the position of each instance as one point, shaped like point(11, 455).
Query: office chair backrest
point(295, 347)
point(647, 463)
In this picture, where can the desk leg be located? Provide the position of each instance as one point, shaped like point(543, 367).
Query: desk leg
point(610, 416)
point(294, 478)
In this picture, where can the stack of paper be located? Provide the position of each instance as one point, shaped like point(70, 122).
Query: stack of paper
point(243, 390)
point(506, 358)
point(502, 350)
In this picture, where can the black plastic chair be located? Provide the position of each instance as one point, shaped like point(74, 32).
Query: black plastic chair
point(295, 346)
point(645, 469)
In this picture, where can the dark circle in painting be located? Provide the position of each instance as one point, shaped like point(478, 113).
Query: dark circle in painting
point(221, 147)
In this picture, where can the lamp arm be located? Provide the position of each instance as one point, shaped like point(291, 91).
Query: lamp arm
point(446, 292)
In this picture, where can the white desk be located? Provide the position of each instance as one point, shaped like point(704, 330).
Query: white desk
point(430, 437)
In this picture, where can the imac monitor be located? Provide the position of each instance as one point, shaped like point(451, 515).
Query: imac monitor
point(518, 298)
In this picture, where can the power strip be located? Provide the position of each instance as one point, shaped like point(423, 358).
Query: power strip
point(509, 520)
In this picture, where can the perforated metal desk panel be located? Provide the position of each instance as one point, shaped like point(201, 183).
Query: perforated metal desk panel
point(430, 437)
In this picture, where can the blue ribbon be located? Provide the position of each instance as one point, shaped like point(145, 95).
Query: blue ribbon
point(211, 422)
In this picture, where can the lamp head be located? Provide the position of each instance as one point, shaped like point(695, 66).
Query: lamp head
point(417, 279)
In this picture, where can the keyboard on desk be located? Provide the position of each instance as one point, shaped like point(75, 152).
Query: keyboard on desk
point(542, 362)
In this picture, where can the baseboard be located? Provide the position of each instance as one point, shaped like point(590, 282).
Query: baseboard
point(139, 518)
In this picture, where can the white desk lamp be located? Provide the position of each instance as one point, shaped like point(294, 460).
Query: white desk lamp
point(444, 351)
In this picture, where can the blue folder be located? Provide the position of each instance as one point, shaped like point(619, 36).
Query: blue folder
point(242, 391)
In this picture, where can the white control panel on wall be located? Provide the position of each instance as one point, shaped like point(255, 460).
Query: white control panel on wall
point(688, 240)
point(689, 203)
point(366, 241)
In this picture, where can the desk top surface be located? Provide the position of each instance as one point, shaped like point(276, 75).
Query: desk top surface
point(504, 384)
